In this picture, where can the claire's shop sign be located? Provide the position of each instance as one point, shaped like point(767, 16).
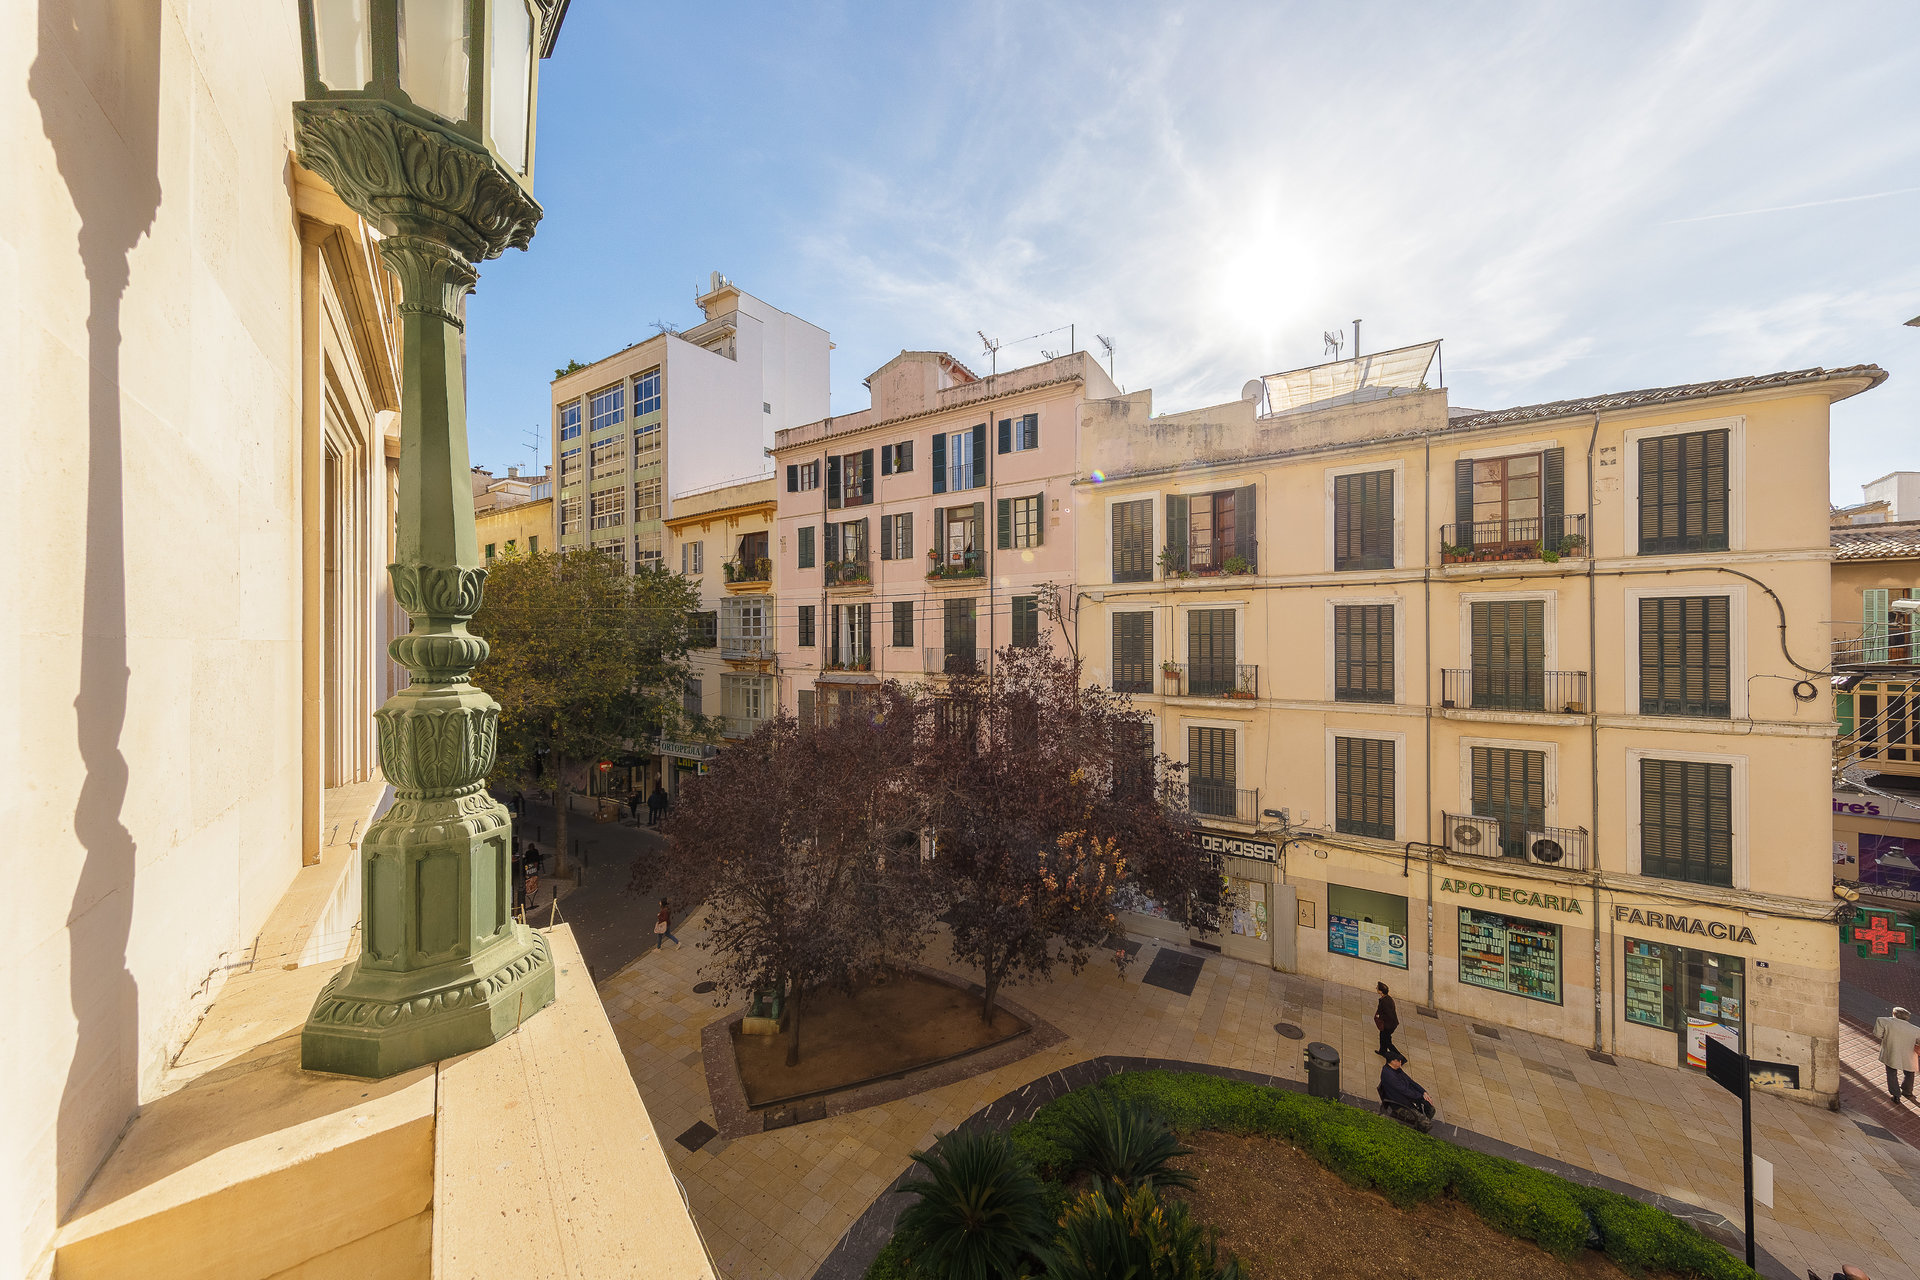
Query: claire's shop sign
point(1858, 804)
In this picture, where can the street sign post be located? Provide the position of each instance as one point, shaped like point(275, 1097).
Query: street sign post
point(1728, 1069)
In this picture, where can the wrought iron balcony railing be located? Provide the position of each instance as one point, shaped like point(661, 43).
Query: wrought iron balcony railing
point(1211, 679)
point(1514, 689)
point(954, 660)
point(1541, 538)
point(1483, 836)
point(1221, 800)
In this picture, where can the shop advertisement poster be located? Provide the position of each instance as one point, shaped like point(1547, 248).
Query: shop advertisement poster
point(1366, 940)
point(1698, 1029)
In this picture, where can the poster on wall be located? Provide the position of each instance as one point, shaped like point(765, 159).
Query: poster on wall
point(1649, 989)
point(1128, 898)
point(1698, 1029)
point(1890, 866)
point(1505, 953)
point(1367, 925)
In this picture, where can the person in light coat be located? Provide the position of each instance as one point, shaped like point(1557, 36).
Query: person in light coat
point(1899, 1049)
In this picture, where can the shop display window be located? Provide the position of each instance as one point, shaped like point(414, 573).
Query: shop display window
point(1505, 953)
point(1367, 925)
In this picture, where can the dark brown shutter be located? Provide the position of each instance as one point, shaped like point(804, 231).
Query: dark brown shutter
point(1003, 523)
point(1177, 519)
point(980, 532)
point(1683, 493)
point(1510, 785)
point(1553, 504)
point(1463, 502)
point(1133, 652)
point(886, 460)
point(1133, 541)
point(833, 481)
point(1363, 521)
point(866, 475)
point(830, 543)
point(905, 461)
point(793, 477)
point(1686, 821)
point(940, 462)
point(886, 535)
point(1363, 653)
point(1006, 435)
point(1245, 544)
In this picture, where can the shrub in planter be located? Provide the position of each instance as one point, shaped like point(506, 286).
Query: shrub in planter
point(1122, 1141)
point(1108, 1233)
point(981, 1212)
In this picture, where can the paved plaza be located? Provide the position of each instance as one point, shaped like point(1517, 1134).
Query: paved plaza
point(775, 1204)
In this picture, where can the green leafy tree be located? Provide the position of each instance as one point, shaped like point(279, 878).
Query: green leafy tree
point(587, 661)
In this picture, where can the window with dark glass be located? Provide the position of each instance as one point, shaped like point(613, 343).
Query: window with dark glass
point(1363, 521)
point(1133, 652)
point(1363, 653)
point(804, 551)
point(903, 624)
point(1685, 668)
point(1208, 532)
point(706, 629)
point(1026, 621)
point(1512, 500)
point(1683, 493)
point(958, 631)
point(1363, 784)
point(896, 459)
point(1686, 821)
point(804, 628)
point(1133, 541)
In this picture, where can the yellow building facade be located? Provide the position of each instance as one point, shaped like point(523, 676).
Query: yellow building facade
point(1514, 711)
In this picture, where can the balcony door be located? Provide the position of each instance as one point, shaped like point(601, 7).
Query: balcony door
point(1210, 653)
point(1510, 786)
point(1509, 655)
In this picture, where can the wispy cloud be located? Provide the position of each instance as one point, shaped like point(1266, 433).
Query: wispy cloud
point(1789, 208)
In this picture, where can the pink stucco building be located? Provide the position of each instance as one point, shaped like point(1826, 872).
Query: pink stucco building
point(912, 536)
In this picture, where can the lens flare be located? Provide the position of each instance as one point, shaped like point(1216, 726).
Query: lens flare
point(1099, 477)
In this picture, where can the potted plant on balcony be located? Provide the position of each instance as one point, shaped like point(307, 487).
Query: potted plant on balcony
point(763, 569)
point(1171, 670)
point(1172, 566)
point(732, 571)
point(1243, 688)
point(1236, 565)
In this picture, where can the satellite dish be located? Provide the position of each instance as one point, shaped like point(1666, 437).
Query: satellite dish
point(1548, 851)
point(1467, 834)
point(1257, 387)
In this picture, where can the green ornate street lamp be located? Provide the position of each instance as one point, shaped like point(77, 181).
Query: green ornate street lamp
point(420, 113)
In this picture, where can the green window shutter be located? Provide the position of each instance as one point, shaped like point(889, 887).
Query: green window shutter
point(1363, 653)
point(1843, 712)
point(1039, 501)
point(1177, 518)
point(1553, 497)
point(1030, 431)
point(1006, 435)
point(940, 462)
point(1003, 522)
point(833, 480)
point(1363, 521)
point(831, 541)
point(805, 552)
point(1463, 502)
point(1133, 652)
point(939, 544)
point(886, 460)
point(905, 462)
point(1685, 657)
point(866, 475)
point(980, 530)
point(1245, 544)
point(793, 477)
point(905, 530)
point(1683, 493)
point(805, 627)
point(979, 455)
point(1686, 821)
point(1132, 541)
point(806, 697)
point(1510, 785)
point(886, 536)
point(1873, 628)
point(1509, 654)
point(1363, 770)
point(1211, 762)
point(1026, 621)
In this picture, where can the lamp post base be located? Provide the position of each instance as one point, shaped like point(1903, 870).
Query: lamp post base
point(375, 1023)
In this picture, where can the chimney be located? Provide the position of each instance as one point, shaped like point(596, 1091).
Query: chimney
point(513, 473)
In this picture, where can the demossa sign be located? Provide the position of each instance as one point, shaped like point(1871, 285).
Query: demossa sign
point(1683, 924)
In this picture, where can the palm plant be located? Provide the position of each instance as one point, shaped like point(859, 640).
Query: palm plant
point(1109, 1232)
point(1123, 1142)
point(981, 1212)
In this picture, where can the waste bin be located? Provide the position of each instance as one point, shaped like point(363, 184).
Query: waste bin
point(1323, 1071)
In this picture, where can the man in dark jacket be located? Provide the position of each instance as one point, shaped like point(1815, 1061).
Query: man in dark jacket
point(1386, 1019)
point(1402, 1096)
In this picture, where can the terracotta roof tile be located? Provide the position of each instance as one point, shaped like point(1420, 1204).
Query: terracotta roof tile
point(1663, 395)
point(1900, 541)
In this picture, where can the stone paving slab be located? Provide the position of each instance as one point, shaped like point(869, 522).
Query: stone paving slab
point(776, 1204)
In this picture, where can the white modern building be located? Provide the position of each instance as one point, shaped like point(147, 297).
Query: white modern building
point(676, 413)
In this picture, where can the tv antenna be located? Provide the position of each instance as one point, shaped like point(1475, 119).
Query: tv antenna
point(664, 326)
point(1335, 339)
point(1107, 343)
point(534, 436)
point(993, 351)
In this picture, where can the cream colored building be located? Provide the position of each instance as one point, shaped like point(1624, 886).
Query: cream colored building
point(1516, 711)
point(199, 343)
point(522, 527)
point(718, 536)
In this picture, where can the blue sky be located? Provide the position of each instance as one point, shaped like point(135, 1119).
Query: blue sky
point(1577, 198)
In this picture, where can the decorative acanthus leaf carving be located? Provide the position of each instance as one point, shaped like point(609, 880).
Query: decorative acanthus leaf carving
point(407, 180)
point(438, 593)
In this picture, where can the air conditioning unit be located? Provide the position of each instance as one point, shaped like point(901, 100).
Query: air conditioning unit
point(1544, 849)
point(1472, 835)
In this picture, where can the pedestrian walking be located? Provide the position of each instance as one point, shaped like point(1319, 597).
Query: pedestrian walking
point(1386, 1020)
point(1899, 1048)
point(663, 927)
point(634, 802)
point(656, 805)
point(1403, 1097)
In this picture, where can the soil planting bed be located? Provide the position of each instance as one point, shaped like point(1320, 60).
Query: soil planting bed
point(1288, 1217)
point(909, 1021)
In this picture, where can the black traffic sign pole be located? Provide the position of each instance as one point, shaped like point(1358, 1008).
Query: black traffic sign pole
point(1729, 1070)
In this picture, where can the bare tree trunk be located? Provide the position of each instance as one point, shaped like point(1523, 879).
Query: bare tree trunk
point(561, 796)
point(992, 994)
point(793, 1026)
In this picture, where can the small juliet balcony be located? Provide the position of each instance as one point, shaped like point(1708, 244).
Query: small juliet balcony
point(853, 573)
point(748, 575)
point(1209, 560)
point(1547, 540)
point(740, 726)
point(1482, 836)
point(1560, 693)
point(1240, 680)
point(953, 660)
point(1223, 800)
point(955, 567)
point(746, 648)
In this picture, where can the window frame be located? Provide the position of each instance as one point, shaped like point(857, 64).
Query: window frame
point(1030, 607)
point(1550, 782)
point(1737, 815)
point(1154, 520)
point(1152, 662)
point(570, 427)
point(1737, 656)
point(605, 419)
point(1398, 540)
point(1333, 668)
point(650, 381)
point(1398, 741)
point(1735, 426)
point(902, 621)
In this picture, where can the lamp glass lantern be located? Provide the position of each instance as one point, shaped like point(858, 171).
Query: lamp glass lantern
point(467, 69)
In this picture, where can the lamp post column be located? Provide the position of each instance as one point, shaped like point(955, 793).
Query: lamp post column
point(443, 968)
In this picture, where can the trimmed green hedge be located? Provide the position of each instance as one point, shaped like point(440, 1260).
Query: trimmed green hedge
point(1407, 1167)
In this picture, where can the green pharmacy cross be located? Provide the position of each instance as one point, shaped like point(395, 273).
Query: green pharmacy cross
point(1879, 935)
